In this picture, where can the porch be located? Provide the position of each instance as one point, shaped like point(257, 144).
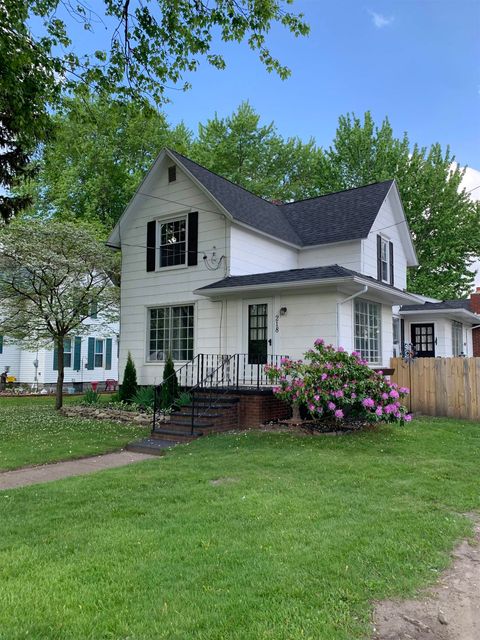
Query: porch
point(226, 392)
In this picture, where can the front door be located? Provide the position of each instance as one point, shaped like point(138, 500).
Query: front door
point(258, 333)
point(423, 340)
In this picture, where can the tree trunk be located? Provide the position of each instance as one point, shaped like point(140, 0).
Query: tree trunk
point(61, 373)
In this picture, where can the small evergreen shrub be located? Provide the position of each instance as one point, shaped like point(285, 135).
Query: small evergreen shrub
point(129, 386)
point(333, 384)
point(143, 398)
point(91, 397)
point(169, 389)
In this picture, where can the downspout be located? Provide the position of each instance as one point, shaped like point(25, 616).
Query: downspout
point(339, 304)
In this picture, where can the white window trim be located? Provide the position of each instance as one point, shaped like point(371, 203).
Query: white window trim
point(385, 241)
point(156, 363)
point(65, 352)
point(95, 353)
point(380, 330)
point(158, 237)
point(459, 326)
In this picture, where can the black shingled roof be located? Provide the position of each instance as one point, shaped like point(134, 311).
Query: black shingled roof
point(292, 275)
point(334, 217)
point(433, 306)
point(244, 206)
point(345, 215)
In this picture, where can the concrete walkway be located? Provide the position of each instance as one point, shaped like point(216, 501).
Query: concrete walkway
point(58, 470)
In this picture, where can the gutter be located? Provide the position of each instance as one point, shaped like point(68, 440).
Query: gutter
point(339, 304)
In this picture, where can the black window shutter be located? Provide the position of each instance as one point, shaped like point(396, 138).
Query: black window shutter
point(192, 239)
point(379, 258)
point(151, 242)
point(390, 244)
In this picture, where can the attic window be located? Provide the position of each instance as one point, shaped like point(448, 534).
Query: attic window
point(172, 173)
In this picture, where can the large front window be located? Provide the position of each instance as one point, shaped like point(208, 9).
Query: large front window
point(367, 330)
point(173, 242)
point(170, 332)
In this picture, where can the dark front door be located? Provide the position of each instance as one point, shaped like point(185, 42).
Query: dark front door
point(423, 340)
point(257, 333)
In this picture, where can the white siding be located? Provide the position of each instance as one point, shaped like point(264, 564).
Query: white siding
point(21, 361)
point(386, 224)
point(142, 289)
point(346, 254)
point(443, 334)
point(253, 253)
point(10, 357)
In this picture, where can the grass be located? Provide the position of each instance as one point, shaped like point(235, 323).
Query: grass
point(32, 432)
point(295, 540)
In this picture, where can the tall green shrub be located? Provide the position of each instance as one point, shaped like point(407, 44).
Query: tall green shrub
point(129, 386)
point(169, 392)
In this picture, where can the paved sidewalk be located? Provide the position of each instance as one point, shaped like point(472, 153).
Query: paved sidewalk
point(58, 470)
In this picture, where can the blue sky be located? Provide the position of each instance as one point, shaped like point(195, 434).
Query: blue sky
point(417, 61)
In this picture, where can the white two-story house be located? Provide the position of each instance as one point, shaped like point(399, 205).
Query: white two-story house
point(209, 268)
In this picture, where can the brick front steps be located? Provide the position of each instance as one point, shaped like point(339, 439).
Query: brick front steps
point(227, 411)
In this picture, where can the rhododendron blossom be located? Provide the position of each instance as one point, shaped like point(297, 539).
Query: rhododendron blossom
point(361, 395)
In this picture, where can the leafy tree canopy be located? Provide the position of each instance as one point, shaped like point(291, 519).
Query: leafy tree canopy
point(149, 45)
point(101, 150)
point(444, 220)
point(51, 273)
point(257, 157)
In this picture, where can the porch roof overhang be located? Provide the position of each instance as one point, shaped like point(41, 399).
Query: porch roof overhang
point(462, 315)
point(303, 280)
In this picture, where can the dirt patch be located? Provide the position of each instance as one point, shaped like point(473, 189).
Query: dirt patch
point(220, 481)
point(448, 611)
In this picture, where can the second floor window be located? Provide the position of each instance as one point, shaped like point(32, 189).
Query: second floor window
point(385, 258)
point(173, 242)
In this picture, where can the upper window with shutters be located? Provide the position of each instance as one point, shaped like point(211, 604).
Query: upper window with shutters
point(385, 260)
point(172, 235)
point(172, 243)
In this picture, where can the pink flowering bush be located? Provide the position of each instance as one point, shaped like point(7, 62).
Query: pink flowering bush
point(331, 384)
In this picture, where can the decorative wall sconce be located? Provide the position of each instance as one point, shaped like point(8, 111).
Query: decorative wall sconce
point(283, 311)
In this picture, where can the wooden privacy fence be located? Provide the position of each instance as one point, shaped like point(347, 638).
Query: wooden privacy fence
point(441, 386)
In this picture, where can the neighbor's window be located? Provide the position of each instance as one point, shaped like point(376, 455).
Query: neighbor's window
point(170, 331)
point(367, 330)
point(457, 338)
point(173, 242)
point(67, 352)
point(396, 336)
point(98, 353)
point(384, 256)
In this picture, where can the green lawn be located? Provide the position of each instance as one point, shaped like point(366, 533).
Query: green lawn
point(295, 544)
point(32, 432)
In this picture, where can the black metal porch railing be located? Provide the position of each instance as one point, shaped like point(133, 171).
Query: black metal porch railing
point(218, 373)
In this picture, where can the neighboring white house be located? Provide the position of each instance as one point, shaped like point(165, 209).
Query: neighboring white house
point(438, 328)
point(92, 357)
point(210, 268)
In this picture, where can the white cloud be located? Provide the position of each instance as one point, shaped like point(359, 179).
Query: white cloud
point(380, 21)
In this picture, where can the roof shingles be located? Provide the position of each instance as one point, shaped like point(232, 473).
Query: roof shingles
point(335, 217)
